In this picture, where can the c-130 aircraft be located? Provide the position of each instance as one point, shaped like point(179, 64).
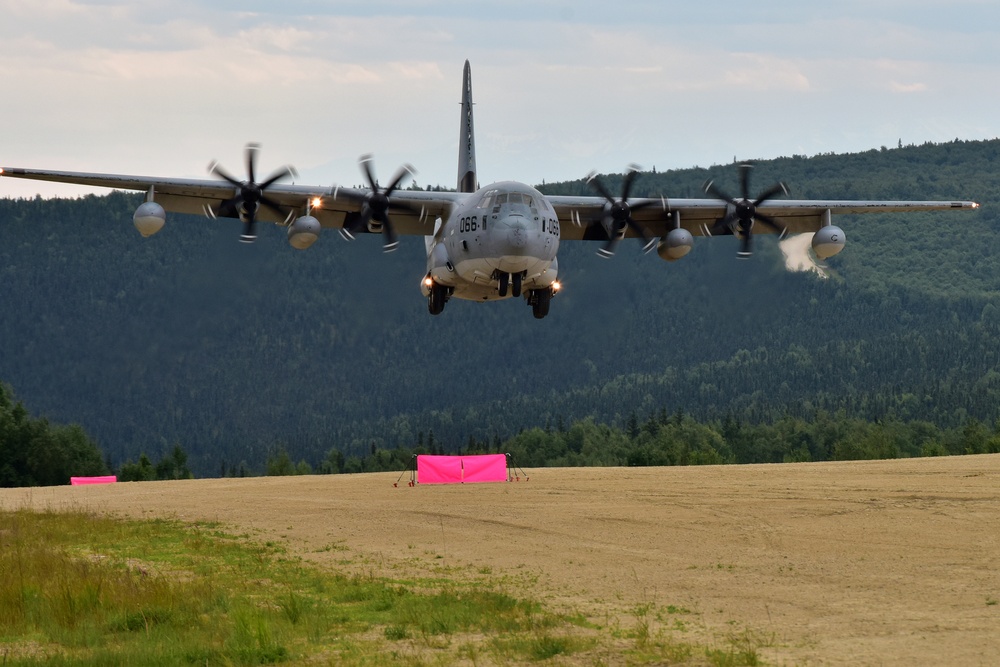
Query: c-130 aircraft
point(489, 243)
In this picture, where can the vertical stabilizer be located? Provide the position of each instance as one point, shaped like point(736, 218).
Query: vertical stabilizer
point(467, 139)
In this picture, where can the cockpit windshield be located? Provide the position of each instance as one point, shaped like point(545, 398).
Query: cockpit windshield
point(493, 199)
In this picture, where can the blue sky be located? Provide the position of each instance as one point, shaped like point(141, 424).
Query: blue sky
point(162, 87)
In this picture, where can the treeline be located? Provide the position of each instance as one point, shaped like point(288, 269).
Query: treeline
point(679, 440)
point(34, 452)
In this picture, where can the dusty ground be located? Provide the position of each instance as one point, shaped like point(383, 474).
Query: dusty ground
point(873, 563)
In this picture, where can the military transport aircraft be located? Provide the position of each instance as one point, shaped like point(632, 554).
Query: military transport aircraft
point(486, 243)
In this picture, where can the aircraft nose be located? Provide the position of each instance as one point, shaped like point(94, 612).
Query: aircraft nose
point(517, 234)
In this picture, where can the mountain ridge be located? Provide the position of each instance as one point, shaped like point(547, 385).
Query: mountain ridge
point(233, 350)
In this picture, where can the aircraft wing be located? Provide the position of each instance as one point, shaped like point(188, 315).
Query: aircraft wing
point(412, 212)
point(659, 216)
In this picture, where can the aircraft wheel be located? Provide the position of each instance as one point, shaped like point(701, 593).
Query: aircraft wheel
point(436, 299)
point(540, 303)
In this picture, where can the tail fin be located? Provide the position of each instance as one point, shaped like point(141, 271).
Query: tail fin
point(467, 181)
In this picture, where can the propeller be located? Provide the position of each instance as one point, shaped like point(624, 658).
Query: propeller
point(618, 213)
point(741, 213)
point(375, 204)
point(250, 196)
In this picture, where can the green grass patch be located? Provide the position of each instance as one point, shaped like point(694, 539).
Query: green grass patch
point(77, 589)
point(80, 589)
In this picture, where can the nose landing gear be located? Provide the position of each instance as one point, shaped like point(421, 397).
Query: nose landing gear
point(510, 280)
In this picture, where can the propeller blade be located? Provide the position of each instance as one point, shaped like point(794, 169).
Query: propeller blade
point(638, 229)
point(745, 180)
point(366, 168)
point(720, 194)
point(389, 240)
point(273, 205)
point(217, 170)
point(404, 171)
point(250, 195)
point(617, 215)
point(251, 158)
point(627, 183)
point(601, 189)
point(740, 218)
point(776, 189)
point(607, 251)
point(284, 172)
point(773, 224)
point(249, 233)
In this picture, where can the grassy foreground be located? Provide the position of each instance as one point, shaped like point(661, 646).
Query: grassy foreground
point(79, 589)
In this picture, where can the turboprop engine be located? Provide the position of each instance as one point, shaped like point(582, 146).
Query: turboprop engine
point(303, 232)
point(675, 245)
point(149, 218)
point(828, 241)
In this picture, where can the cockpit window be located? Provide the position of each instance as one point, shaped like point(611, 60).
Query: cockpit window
point(496, 199)
point(515, 198)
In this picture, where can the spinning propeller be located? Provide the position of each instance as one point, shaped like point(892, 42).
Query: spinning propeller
point(618, 213)
point(741, 213)
point(251, 194)
point(375, 204)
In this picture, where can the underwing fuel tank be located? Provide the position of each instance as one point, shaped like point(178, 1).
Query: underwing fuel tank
point(149, 218)
point(675, 245)
point(303, 232)
point(828, 241)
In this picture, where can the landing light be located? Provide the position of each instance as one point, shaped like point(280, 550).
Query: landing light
point(428, 281)
point(317, 202)
point(556, 286)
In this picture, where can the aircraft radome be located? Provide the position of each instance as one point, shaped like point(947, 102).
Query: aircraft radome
point(492, 242)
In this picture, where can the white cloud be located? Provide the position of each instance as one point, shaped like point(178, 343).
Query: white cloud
point(159, 87)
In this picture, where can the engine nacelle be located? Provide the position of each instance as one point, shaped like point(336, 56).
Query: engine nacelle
point(828, 241)
point(675, 245)
point(303, 232)
point(149, 218)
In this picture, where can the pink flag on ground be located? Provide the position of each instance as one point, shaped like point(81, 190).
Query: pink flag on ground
point(459, 469)
point(439, 469)
point(106, 479)
point(485, 468)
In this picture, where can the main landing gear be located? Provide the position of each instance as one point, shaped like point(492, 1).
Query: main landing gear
point(438, 296)
point(539, 300)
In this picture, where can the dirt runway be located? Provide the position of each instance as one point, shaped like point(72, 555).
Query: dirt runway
point(860, 563)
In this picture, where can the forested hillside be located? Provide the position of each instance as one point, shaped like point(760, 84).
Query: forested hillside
point(236, 351)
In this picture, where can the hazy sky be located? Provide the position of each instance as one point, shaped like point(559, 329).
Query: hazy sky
point(162, 87)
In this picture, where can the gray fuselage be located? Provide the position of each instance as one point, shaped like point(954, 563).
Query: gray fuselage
point(504, 229)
